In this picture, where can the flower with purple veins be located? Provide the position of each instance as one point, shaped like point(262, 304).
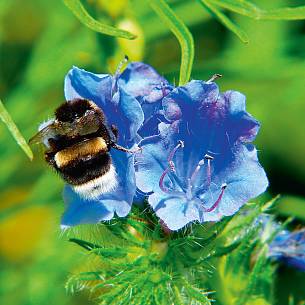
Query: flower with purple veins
point(201, 166)
point(119, 98)
point(289, 247)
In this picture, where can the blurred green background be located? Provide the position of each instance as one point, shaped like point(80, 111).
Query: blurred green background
point(40, 41)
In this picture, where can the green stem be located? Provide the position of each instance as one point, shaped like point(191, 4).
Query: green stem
point(183, 35)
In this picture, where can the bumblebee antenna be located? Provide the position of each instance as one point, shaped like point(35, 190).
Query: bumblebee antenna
point(117, 74)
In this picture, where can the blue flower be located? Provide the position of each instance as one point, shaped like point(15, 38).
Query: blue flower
point(289, 247)
point(119, 98)
point(201, 166)
point(149, 88)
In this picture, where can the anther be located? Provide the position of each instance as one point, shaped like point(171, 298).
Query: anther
point(215, 205)
point(208, 157)
point(214, 77)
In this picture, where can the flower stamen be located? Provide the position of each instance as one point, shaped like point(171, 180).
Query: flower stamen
point(172, 153)
point(161, 182)
point(214, 77)
point(170, 169)
point(117, 74)
point(196, 171)
point(209, 174)
point(163, 86)
point(215, 205)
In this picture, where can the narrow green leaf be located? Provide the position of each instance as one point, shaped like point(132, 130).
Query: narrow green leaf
point(85, 244)
point(183, 35)
point(255, 276)
point(195, 293)
point(79, 11)
point(286, 13)
point(239, 6)
point(225, 21)
point(8, 121)
point(177, 296)
point(248, 9)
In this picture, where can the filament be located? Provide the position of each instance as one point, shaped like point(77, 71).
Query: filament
point(196, 171)
point(117, 74)
point(171, 169)
point(172, 153)
point(209, 174)
point(215, 205)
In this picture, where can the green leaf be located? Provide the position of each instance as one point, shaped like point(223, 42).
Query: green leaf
point(195, 293)
point(225, 21)
point(79, 11)
point(255, 276)
point(85, 244)
point(177, 296)
point(248, 9)
point(286, 13)
point(183, 35)
point(8, 121)
point(239, 6)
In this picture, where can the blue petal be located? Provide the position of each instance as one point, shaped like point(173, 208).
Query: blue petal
point(202, 108)
point(176, 212)
point(80, 211)
point(80, 83)
point(128, 117)
point(245, 179)
point(141, 80)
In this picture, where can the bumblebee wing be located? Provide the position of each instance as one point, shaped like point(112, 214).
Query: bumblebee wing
point(43, 135)
point(89, 124)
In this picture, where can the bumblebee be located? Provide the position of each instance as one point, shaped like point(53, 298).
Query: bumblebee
point(77, 144)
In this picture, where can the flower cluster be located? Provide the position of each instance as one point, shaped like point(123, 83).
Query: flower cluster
point(197, 162)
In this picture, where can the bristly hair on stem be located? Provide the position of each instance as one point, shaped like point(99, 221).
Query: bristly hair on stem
point(190, 266)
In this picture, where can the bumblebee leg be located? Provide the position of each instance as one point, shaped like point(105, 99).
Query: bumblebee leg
point(115, 131)
point(121, 148)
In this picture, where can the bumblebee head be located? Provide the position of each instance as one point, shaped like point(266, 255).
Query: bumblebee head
point(73, 110)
